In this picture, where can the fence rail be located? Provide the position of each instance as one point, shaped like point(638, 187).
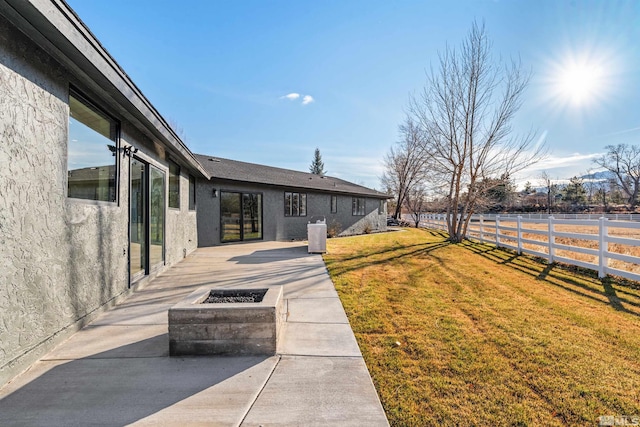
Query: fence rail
point(615, 217)
point(609, 246)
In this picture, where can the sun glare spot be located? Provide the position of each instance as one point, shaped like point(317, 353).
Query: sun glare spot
point(580, 83)
point(579, 80)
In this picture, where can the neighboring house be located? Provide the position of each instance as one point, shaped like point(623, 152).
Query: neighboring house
point(98, 194)
point(82, 217)
point(246, 201)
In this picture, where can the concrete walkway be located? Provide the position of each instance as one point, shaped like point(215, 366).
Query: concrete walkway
point(117, 370)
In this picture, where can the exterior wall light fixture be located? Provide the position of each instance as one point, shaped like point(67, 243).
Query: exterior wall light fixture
point(129, 150)
point(214, 193)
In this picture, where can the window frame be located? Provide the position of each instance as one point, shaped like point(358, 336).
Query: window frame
point(334, 203)
point(192, 193)
point(115, 126)
point(358, 206)
point(241, 218)
point(174, 184)
point(295, 204)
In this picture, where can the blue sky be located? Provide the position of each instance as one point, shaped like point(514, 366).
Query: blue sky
point(222, 71)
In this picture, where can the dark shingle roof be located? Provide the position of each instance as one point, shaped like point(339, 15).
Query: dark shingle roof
point(234, 170)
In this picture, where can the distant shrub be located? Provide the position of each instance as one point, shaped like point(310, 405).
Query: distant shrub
point(334, 228)
point(368, 228)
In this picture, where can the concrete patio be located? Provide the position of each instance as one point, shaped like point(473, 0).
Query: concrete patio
point(117, 370)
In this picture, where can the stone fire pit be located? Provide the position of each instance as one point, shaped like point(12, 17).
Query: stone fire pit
point(232, 322)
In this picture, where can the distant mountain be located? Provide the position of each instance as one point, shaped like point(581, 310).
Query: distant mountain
point(599, 176)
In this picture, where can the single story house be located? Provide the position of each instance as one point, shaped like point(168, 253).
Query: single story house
point(246, 201)
point(98, 194)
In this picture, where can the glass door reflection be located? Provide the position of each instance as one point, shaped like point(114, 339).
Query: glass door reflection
point(138, 219)
point(146, 218)
point(230, 216)
point(156, 217)
point(240, 216)
point(252, 216)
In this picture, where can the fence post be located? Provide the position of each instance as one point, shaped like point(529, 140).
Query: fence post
point(519, 235)
point(552, 240)
point(467, 230)
point(603, 261)
point(481, 228)
point(498, 230)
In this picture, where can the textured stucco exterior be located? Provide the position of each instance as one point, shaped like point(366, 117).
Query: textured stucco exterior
point(277, 226)
point(181, 226)
point(61, 260)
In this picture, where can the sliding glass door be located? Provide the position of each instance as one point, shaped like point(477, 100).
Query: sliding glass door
point(156, 217)
point(146, 218)
point(251, 216)
point(230, 216)
point(240, 216)
point(138, 219)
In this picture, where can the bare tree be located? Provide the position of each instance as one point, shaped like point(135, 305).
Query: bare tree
point(177, 129)
point(590, 185)
point(416, 202)
point(552, 190)
point(466, 109)
point(404, 165)
point(624, 162)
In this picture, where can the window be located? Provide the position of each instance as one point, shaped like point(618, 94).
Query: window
point(192, 193)
point(157, 182)
point(357, 206)
point(334, 204)
point(382, 207)
point(92, 145)
point(295, 204)
point(303, 204)
point(174, 185)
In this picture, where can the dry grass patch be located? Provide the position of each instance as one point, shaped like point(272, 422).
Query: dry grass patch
point(486, 337)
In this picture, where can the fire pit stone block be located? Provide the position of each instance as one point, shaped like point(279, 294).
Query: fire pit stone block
point(246, 328)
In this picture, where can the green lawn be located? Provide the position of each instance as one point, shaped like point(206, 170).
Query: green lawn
point(468, 334)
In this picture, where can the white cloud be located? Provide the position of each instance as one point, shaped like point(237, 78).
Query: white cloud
point(559, 167)
point(291, 96)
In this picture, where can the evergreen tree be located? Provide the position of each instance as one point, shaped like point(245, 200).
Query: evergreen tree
point(574, 193)
point(317, 165)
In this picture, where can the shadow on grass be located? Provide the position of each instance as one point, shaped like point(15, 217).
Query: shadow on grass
point(545, 272)
point(610, 292)
point(384, 256)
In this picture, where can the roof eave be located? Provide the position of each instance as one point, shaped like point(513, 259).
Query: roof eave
point(55, 27)
point(319, 190)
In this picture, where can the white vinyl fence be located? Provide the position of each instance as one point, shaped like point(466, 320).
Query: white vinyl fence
point(582, 242)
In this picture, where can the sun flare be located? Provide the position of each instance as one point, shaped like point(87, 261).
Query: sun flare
point(580, 83)
point(580, 80)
